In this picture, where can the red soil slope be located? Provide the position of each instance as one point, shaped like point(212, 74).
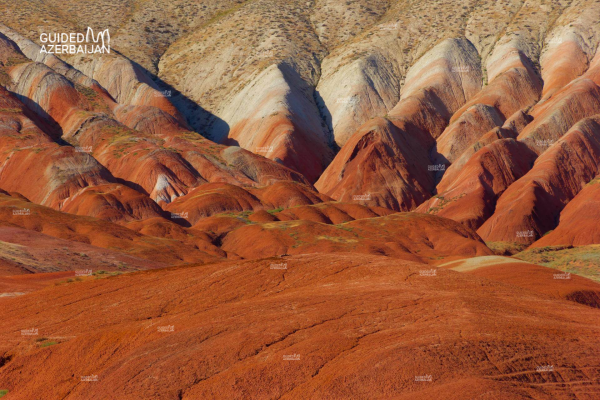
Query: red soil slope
point(18, 285)
point(15, 212)
point(344, 326)
point(25, 251)
point(410, 236)
point(548, 281)
point(216, 198)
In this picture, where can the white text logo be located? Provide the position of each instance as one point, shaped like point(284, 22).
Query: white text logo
point(76, 43)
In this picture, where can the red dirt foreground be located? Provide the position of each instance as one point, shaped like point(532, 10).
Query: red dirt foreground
point(307, 326)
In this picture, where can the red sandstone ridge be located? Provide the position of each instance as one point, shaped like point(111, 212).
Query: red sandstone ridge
point(578, 223)
point(531, 206)
point(330, 213)
point(279, 121)
point(512, 87)
point(26, 147)
point(470, 198)
point(19, 213)
point(217, 198)
point(408, 236)
point(378, 154)
point(509, 130)
point(552, 119)
point(387, 159)
point(112, 203)
point(163, 160)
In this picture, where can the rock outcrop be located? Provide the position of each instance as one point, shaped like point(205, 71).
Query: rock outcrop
point(578, 222)
point(531, 206)
point(471, 197)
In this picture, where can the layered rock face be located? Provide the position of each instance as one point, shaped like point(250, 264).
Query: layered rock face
point(578, 221)
point(533, 203)
point(66, 136)
point(367, 100)
point(485, 113)
point(471, 196)
point(275, 116)
point(380, 153)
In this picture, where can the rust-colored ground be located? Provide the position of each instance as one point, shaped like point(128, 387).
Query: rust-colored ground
point(308, 326)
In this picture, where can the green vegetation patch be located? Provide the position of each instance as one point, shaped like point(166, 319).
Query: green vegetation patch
point(105, 274)
point(595, 181)
point(581, 260)
point(221, 14)
point(10, 110)
point(336, 239)
point(506, 248)
point(11, 61)
point(5, 79)
point(443, 203)
point(242, 216)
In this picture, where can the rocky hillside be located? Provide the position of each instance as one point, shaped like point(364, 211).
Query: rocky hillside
point(388, 101)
